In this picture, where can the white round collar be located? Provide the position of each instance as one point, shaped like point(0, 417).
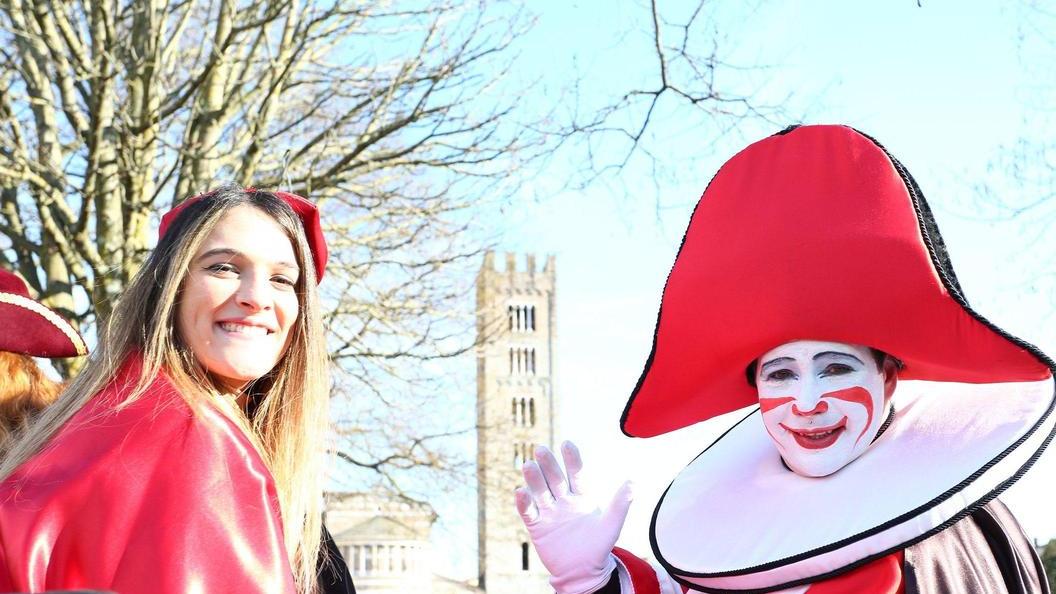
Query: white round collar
point(737, 520)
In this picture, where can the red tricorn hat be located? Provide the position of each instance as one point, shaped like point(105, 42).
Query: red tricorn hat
point(306, 211)
point(814, 233)
point(29, 328)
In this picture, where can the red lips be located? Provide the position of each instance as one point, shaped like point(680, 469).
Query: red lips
point(817, 438)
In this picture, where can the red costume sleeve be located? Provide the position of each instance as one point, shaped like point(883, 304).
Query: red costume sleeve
point(150, 499)
point(881, 576)
point(643, 576)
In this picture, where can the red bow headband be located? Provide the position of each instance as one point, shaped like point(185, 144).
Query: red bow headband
point(306, 211)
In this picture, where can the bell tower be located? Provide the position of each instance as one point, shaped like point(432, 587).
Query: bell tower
point(515, 412)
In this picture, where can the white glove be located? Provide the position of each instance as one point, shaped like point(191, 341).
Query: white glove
point(573, 536)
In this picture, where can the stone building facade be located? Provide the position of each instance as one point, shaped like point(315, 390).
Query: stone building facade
point(386, 544)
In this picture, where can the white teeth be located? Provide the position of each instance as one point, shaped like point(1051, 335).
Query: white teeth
point(244, 329)
point(819, 435)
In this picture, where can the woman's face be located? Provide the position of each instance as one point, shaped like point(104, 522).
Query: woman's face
point(822, 402)
point(238, 301)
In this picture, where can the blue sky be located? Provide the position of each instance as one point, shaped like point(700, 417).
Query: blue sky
point(946, 87)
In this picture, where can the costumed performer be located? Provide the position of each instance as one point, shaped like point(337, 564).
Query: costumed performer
point(29, 330)
point(812, 281)
point(186, 455)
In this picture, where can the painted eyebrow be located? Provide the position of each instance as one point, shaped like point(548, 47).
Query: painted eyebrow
point(232, 253)
point(838, 354)
point(774, 362)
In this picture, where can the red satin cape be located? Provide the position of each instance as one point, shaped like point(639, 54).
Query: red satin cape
point(151, 498)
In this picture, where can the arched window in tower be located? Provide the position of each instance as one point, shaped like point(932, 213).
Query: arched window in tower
point(524, 556)
point(531, 412)
point(511, 361)
point(514, 413)
point(531, 318)
point(531, 361)
point(524, 416)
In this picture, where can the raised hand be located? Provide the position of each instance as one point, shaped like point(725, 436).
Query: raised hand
point(573, 536)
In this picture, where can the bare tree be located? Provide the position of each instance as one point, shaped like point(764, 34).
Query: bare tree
point(690, 78)
point(389, 115)
point(1020, 185)
point(396, 117)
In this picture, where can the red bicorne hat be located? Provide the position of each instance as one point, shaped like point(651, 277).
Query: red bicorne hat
point(814, 233)
point(29, 328)
point(305, 210)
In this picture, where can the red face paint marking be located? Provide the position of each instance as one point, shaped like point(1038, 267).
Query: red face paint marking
point(768, 404)
point(858, 395)
point(820, 407)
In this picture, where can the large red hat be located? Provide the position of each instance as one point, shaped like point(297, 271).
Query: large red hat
point(305, 210)
point(813, 233)
point(29, 328)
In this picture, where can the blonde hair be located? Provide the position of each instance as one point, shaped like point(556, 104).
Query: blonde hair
point(24, 392)
point(289, 425)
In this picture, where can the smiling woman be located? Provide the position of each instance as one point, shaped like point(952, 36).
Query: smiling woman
point(185, 456)
point(239, 300)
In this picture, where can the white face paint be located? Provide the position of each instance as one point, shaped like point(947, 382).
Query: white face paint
point(822, 402)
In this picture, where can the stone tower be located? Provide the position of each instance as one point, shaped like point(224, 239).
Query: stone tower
point(515, 412)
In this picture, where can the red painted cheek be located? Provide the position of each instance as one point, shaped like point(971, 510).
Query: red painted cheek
point(768, 404)
point(857, 395)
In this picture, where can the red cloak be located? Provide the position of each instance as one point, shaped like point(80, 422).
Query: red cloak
point(149, 498)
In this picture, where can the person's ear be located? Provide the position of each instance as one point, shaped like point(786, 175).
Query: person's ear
point(890, 377)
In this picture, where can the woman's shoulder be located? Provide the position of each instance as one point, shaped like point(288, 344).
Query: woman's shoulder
point(159, 480)
point(116, 446)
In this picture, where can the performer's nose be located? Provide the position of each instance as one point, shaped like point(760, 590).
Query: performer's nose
point(820, 407)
